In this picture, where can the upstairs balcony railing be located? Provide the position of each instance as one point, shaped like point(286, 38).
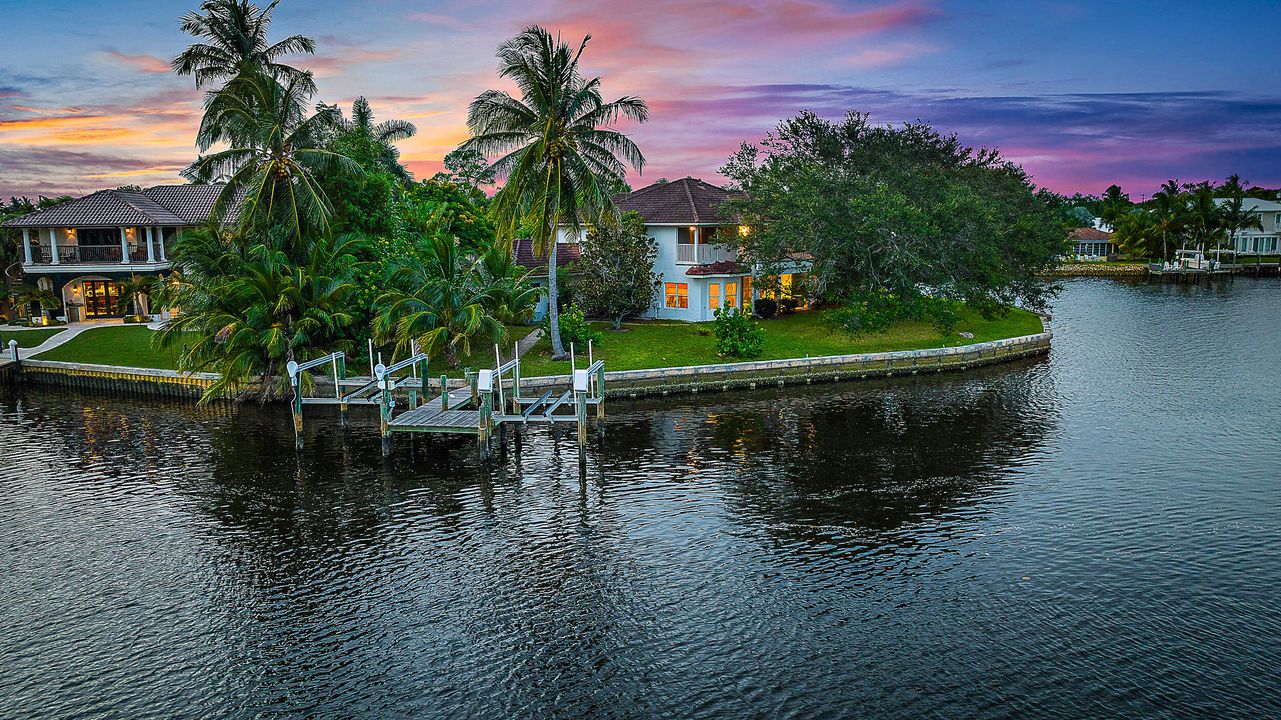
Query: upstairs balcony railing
point(90, 254)
point(692, 254)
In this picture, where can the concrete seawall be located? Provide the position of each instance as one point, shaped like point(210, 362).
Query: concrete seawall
point(618, 384)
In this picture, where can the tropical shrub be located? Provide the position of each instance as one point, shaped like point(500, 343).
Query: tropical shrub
point(765, 308)
point(249, 306)
point(737, 335)
point(442, 299)
point(573, 327)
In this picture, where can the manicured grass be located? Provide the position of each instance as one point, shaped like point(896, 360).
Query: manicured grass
point(123, 345)
point(26, 338)
point(653, 344)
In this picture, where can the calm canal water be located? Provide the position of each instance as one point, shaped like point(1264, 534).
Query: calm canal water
point(1092, 534)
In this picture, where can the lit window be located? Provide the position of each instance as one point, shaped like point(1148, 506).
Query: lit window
point(731, 295)
point(714, 296)
point(677, 295)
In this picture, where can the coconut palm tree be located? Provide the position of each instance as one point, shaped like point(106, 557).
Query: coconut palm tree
point(1170, 209)
point(236, 31)
point(441, 299)
point(513, 296)
point(250, 308)
point(383, 135)
point(275, 158)
point(1233, 213)
point(1205, 219)
point(555, 146)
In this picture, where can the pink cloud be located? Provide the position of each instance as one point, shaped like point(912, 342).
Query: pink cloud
point(145, 63)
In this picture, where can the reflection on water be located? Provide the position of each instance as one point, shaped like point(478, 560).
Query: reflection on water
point(1089, 534)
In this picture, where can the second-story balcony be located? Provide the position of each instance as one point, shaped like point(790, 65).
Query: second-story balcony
point(700, 254)
point(92, 255)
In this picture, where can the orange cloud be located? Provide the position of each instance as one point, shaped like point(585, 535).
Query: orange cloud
point(145, 63)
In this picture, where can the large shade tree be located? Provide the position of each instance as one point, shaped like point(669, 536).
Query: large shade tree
point(896, 222)
point(235, 40)
point(555, 146)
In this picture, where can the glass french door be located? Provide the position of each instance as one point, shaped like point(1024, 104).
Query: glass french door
point(102, 298)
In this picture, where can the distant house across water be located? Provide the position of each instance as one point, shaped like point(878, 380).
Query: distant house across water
point(1255, 241)
point(1093, 242)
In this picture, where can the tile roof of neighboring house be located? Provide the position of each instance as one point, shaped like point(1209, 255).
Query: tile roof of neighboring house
point(192, 203)
point(523, 248)
point(1090, 234)
point(723, 267)
point(687, 201)
point(168, 205)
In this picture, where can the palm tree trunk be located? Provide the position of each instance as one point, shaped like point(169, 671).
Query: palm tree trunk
point(552, 228)
point(553, 311)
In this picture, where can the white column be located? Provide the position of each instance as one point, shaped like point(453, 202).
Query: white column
point(124, 247)
point(26, 246)
point(151, 253)
point(53, 246)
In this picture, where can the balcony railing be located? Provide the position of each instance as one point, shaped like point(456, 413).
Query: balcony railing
point(90, 254)
point(691, 254)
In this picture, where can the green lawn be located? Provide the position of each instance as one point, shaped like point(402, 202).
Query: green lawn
point(26, 338)
point(121, 345)
point(652, 344)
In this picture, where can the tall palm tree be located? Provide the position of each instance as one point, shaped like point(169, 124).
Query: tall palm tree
point(1205, 219)
point(276, 154)
point(236, 31)
point(1170, 213)
point(440, 299)
point(555, 146)
point(1234, 215)
point(383, 135)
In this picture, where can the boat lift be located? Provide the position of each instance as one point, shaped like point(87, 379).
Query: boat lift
point(491, 398)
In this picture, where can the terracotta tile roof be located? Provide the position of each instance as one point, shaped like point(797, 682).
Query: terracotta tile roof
point(169, 205)
point(687, 201)
point(1089, 234)
point(723, 267)
point(523, 248)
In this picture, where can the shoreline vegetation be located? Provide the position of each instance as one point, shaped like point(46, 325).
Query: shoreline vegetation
point(640, 345)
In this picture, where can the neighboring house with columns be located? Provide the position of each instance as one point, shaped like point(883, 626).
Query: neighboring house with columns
point(80, 248)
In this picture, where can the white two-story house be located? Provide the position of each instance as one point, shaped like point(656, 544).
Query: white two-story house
point(697, 250)
point(1255, 241)
point(81, 248)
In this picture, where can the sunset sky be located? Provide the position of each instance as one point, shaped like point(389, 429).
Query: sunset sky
point(1081, 93)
